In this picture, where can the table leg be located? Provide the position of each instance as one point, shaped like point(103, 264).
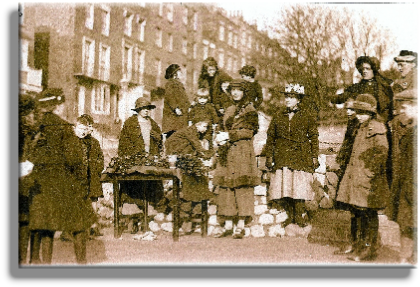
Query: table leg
point(204, 218)
point(116, 209)
point(145, 215)
point(175, 234)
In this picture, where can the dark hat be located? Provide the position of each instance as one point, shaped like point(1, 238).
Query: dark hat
point(248, 71)
point(26, 104)
point(86, 120)
point(372, 61)
point(365, 102)
point(210, 62)
point(294, 90)
point(171, 70)
point(406, 56)
point(237, 84)
point(50, 97)
point(143, 103)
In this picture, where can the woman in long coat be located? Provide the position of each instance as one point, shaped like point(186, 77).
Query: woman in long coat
point(364, 185)
point(291, 151)
point(236, 173)
point(176, 103)
point(141, 135)
point(60, 201)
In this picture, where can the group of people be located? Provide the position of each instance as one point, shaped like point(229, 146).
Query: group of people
point(377, 158)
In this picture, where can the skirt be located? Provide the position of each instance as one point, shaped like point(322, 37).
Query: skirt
point(290, 183)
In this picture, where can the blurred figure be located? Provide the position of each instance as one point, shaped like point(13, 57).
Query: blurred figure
point(211, 77)
point(255, 90)
point(222, 100)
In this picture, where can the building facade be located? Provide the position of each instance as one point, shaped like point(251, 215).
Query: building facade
point(106, 55)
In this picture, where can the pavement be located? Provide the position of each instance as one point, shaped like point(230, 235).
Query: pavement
point(194, 250)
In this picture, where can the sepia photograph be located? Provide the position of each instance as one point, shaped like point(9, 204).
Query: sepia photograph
point(205, 134)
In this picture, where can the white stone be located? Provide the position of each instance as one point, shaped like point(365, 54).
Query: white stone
point(256, 202)
point(151, 211)
point(159, 217)
point(263, 199)
point(260, 209)
point(260, 190)
point(281, 217)
point(130, 209)
point(213, 220)
point(292, 230)
point(210, 229)
point(153, 226)
point(169, 217)
point(257, 231)
point(247, 232)
point(276, 230)
point(212, 209)
point(167, 226)
point(274, 211)
point(266, 219)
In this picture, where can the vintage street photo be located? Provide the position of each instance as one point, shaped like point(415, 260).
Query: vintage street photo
point(227, 133)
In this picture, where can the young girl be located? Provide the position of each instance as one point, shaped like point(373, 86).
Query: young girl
point(236, 173)
point(364, 185)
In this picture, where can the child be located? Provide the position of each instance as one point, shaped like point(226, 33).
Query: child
point(255, 90)
point(203, 110)
point(364, 185)
point(222, 100)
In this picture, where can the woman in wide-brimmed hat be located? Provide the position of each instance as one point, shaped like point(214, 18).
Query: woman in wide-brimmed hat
point(364, 185)
point(176, 101)
point(291, 153)
point(141, 135)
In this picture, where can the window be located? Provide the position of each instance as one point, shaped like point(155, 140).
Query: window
point(128, 24)
point(221, 32)
point(184, 46)
point(89, 16)
point(158, 66)
point(158, 37)
point(230, 37)
point(185, 16)
point(142, 30)
point(257, 46)
point(195, 51)
point(243, 61)
point(249, 41)
point(105, 15)
point(88, 56)
point(195, 23)
point(81, 100)
point(127, 61)
point(184, 74)
point(160, 9)
point(263, 50)
point(104, 62)
point(243, 39)
point(101, 99)
point(205, 52)
point(270, 52)
point(229, 64)
point(235, 41)
point(170, 43)
point(235, 65)
point(195, 79)
point(221, 61)
point(139, 66)
point(170, 14)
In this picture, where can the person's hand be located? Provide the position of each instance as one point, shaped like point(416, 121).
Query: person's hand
point(269, 163)
point(315, 162)
point(222, 138)
point(25, 168)
point(178, 111)
point(222, 111)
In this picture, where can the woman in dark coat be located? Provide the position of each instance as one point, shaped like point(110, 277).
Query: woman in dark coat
point(176, 103)
point(211, 77)
point(60, 201)
point(236, 173)
point(291, 151)
point(364, 185)
point(141, 135)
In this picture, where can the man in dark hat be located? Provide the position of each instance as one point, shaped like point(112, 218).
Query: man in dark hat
point(255, 90)
point(60, 202)
point(176, 101)
point(141, 135)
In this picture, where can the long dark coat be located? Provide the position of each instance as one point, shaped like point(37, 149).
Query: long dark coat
point(60, 201)
point(175, 97)
point(183, 142)
point(131, 142)
point(293, 143)
point(237, 165)
point(255, 93)
point(364, 183)
point(93, 165)
point(213, 83)
point(343, 156)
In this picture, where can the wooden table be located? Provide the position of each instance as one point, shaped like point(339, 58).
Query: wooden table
point(141, 173)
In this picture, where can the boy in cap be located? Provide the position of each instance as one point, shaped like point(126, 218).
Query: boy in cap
point(203, 110)
point(254, 88)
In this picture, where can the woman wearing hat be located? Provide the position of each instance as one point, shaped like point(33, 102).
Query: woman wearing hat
point(176, 102)
point(141, 135)
point(364, 185)
point(236, 173)
point(291, 152)
point(211, 77)
point(59, 200)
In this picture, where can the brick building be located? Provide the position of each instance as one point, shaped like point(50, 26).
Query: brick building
point(106, 55)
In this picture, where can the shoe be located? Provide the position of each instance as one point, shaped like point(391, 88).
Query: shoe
point(347, 250)
point(239, 233)
point(225, 233)
point(366, 254)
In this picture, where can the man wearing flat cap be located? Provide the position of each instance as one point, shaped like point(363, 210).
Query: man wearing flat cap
point(402, 208)
point(141, 135)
